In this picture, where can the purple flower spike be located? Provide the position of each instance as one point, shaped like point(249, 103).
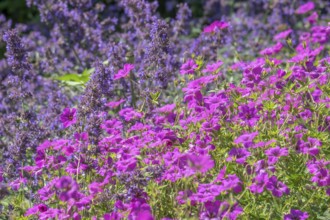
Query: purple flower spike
point(68, 117)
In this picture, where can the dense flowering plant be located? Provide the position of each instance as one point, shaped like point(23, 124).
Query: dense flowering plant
point(163, 124)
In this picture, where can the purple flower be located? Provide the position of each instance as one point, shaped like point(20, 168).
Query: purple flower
point(200, 163)
point(232, 182)
point(211, 68)
point(275, 153)
point(246, 139)
point(115, 104)
point(112, 216)
point(259, 183)
point(188, 67)
point(130, 114)
point(278, 188)
point(239, 155)
point(211, 210)
point(249, 114)
point(296, 214)
point(230, 212)
point(40, 208)
point(68, 117)
point(305, 8)
point(310, 147)
point(282, 35)
point(313, 17)
point(123, 73)
point(272, 50)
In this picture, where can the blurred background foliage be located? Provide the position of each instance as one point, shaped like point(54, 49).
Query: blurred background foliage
point(18, 12)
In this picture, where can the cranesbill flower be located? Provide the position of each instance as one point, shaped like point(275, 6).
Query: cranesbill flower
point(282, 35)
point(211, 68)
point(36, 209)
point(232, 182)
point(123, 73)
point(310, 147)
point(296, 214)
point(246, 139)
point(216, 25)
point(275, 153)
point(313, 17)
point(115, 104)
point(68, 117)
point(249, 114)
point(259, 183)
point(278, 188)
point(272, 50)
point(305, 8)
point(211, 210)
point(230, 212)
point(188, 67)
point(239, 155)
point(129, 114)
point(200, 163)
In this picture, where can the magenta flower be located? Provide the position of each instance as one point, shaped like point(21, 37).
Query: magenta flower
point(305, 8)
point(246, 139)
point(239, 155)
point(123, 73)
point(211, 68)
point(310, 147)
point(249, 114)
point(230, 212)
point(216, 25)
point(112, 216)
point(296, 214)
point(282, 35)
point(272, 50)
point(278, 188)
point(115, 104)
point(313, 17)
point(275, 153)
point(211, 210)
point(259, 183)
point(232, 182)
point(200, 163)
point(188, 67)
point(40, 208)
point(68, 117)
point(130, 114)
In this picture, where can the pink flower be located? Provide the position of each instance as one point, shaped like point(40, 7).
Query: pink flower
point(313, 17)
point(123, 73)
point(216, 25)
point(305, 8)
point(282, 35)
point(210, 68)
point(115, 104)
point(68, 117)
point(36, 209)
point(272, 50)
point(188, 67)
point(129, 114)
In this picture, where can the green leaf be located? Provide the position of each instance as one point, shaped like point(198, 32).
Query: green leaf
point(74, 79)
